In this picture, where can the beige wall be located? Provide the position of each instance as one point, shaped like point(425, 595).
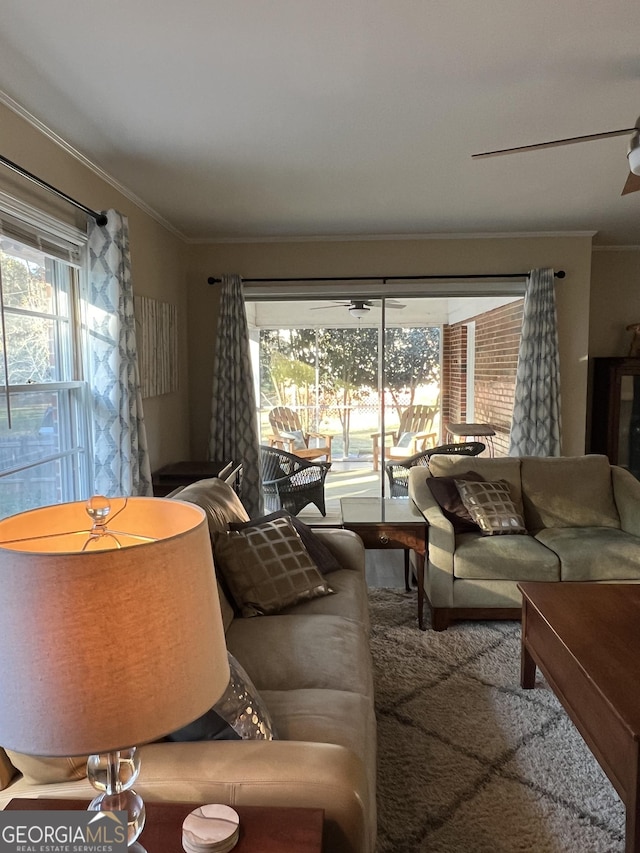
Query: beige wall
point(615, 300)
point(397, 257)
point(158, 257)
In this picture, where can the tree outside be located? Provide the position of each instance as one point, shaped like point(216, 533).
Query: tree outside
point(330, 376)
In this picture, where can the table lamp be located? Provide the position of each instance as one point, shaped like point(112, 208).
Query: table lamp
point(112, 634)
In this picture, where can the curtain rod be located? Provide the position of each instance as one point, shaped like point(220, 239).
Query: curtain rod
point(385, 278)
point(100, 218)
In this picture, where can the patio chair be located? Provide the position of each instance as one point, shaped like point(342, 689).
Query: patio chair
point(288, 435)
point(398, 471)
point(290, 483)
point(414, 434)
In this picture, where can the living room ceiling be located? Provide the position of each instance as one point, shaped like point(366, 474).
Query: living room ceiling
point(244, 119)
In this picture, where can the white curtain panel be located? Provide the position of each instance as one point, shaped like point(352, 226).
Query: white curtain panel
point(233, 431)
point(536, 427)
point(121, 459)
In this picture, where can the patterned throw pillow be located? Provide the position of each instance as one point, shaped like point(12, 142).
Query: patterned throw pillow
point(267, 568)
point(491, 507)
point(318, 551)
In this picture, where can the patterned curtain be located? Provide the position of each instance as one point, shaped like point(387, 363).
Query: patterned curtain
point(121, 460)
point(233, 431)
point(536, 428)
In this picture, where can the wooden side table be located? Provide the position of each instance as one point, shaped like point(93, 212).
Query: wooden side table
point(390, 523)
point(177, 474)
point(262, 829)
point(477, 431)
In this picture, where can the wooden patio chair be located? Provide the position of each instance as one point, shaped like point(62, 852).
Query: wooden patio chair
point(415, 433)
point(288, 435)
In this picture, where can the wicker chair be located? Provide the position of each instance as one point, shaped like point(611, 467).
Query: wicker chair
point(398, 471)
point(290, 483)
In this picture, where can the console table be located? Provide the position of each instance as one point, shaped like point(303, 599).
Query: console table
point(263, 829)
point(390, 523)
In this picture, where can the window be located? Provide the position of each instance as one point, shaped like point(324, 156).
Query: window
point(44, 425)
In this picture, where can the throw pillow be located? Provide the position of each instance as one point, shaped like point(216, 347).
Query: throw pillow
point(318, 551)
point(405, 439)
point(491, 507)
point(446, 493)
point(298, 438)
point(239, 714)
point(267, 568)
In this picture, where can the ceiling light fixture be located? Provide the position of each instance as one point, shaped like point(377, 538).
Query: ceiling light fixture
point(359, 310)
point(634, 153)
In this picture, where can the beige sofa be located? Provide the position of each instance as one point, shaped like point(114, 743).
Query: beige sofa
point(311, 664)
point(582, 517)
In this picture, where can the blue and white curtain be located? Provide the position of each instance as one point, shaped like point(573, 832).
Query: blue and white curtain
point(233, 432)
point(536, 427)
point(121, 459)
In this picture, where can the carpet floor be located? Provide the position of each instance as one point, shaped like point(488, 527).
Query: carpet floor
point(468, 761)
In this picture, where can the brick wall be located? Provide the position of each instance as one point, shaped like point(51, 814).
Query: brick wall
point(496, 360)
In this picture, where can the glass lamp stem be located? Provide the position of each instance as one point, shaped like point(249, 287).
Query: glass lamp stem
point(113, 774)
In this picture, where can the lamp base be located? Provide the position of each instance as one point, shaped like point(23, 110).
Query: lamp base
point(113, 774)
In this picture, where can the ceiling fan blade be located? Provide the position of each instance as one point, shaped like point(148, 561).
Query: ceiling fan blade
point(632, 184)
point(555, 143)
point(335, 305)
point(391, 303)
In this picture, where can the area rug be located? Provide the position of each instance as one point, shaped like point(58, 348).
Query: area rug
point(468, 761)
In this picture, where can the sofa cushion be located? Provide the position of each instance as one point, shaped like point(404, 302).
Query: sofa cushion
point(296, 652)
point(267, 568)
point(491, 469)
point(350, 599)
point(491, 507)
point(568, 492)
point(514, 558)
point(594, 553)
point(318, 551)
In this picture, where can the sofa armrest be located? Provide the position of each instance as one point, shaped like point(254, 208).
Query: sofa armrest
point(442, 540)
point(272, 773)
point(346, 547)
point(248, 773)
point(626, 493)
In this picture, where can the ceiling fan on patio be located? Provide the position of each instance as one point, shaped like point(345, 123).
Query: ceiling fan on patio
point(361, 307)
point(633, 155)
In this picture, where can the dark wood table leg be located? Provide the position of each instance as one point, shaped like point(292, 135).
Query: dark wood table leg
point(420, 569)
point(632, 829)
point(407, 561)
point(527, 663)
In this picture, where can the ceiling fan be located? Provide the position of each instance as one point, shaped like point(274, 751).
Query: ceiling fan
point(360, 307)
point(633, 181)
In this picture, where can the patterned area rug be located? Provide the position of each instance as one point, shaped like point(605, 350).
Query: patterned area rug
point(468, 761)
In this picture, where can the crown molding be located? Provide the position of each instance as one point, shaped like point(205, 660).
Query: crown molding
point(52, 136)
point(622, 248)
point(355, 238)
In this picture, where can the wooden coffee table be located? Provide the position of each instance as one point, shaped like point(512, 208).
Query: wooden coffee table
point(263, 829)
point(585, 638)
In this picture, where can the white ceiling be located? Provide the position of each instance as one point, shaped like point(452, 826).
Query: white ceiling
point(241, 118)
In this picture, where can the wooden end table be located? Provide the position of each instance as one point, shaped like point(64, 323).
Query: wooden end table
point(585, 638)
point(177, 474)
point(262, 829)
point(390, 523)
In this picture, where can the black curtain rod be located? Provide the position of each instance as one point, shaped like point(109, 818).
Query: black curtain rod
point(385, 278)
point(100, 218)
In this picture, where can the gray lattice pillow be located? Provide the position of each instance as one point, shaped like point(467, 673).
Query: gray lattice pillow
point(267, 568)
point(490, 505)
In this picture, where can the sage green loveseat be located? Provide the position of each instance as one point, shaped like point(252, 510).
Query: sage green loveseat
point(582, 517)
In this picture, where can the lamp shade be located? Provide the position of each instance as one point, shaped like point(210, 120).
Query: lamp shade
point(110, 647)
